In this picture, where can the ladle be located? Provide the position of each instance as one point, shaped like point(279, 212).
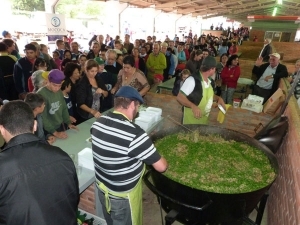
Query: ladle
point(174, 121)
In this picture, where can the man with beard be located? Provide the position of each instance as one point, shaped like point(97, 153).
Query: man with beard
point(120, 150)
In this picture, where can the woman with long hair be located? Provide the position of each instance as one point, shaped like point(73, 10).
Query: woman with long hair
point(89, 91)
point(193, 64)
point(230, 75)
point(139, 63)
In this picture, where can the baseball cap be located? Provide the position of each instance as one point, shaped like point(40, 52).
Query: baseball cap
point(129, 92)
point(277, 55)
point(118, 51)
point(45, 74)
point(4, 33)
point(209, 62)
point(56, 76)
point(99, 61)
point(159, 76)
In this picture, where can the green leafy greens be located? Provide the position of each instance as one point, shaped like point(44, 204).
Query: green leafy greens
point(210, 163)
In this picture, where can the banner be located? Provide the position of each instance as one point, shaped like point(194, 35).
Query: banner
point(55, 24)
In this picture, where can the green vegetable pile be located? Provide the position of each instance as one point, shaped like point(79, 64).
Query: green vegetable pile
point(210, 163)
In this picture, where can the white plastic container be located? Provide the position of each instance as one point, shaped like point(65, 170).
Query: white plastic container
point(143, 122)
point(151, 117)
point(85, 159)
point(156, 111)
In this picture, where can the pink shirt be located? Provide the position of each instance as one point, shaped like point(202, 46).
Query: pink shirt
point(136, 63)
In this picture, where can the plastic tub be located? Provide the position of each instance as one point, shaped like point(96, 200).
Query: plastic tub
point(156, 111)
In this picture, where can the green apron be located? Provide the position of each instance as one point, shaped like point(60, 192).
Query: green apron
point(204, 105)
point(135, 197)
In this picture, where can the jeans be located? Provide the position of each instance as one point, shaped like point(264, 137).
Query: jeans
point(120, 213)
point(228, 95)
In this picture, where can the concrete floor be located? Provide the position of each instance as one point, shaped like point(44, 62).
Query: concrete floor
point(152, 214)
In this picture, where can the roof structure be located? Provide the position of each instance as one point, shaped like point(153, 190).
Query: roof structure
point(232, 9)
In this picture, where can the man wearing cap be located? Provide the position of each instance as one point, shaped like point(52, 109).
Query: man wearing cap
point(197, 94)
point(55, 116)
point(268, 76)
point(7, 35)
point(23, 70)
point(120, 150)
point(158, 79)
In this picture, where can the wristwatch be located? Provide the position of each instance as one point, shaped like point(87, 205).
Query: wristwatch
point(272, 76)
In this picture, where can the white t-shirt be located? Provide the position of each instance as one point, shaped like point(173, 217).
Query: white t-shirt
point(189, 85)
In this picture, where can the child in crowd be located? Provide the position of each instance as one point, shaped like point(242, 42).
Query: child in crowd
point(56, 59)
point(157, 79)
point(56, 112)
point(60, 47)
point(39, 64)
point(66, 89)
point(67, 54)
point(37, 104)
point(178, 83)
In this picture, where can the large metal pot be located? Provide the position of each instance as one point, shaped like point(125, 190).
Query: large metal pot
point(201, 207)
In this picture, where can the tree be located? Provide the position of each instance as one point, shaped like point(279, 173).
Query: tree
point(78, 8)
point(28, 5)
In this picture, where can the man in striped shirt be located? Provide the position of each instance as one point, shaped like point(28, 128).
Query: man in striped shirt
point(120, 149)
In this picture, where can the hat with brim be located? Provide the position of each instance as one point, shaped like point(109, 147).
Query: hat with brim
point(4, 33)
point(277, 55)
point(118, 51)
point(129, 92)
point(209, 62)
point(56, 76)
point(99, 61)
point(45, 75)
point(159, 77)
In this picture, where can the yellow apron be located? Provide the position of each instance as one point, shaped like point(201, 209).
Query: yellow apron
point(135, 197)
point(204, 105)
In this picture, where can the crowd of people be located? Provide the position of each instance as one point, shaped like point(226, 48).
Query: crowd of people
point(67, 87)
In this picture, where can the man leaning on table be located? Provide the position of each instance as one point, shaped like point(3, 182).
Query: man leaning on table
point(38, 182)
point(268, 76)
point(197, 94)
point(120, 150)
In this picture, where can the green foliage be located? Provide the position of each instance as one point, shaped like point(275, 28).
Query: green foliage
point(78, 8)
point(28, 5)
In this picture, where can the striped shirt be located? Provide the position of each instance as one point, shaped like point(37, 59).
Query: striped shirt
point(120, 148)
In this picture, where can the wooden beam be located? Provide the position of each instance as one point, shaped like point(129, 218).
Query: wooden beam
point(190, 10)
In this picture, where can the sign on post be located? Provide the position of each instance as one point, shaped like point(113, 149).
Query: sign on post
point(55, 24)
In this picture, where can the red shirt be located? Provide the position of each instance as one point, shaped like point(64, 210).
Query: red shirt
point(226, 73)
point(187, 54)
point(30, 84)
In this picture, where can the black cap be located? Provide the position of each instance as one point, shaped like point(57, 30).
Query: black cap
point(129, 92)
